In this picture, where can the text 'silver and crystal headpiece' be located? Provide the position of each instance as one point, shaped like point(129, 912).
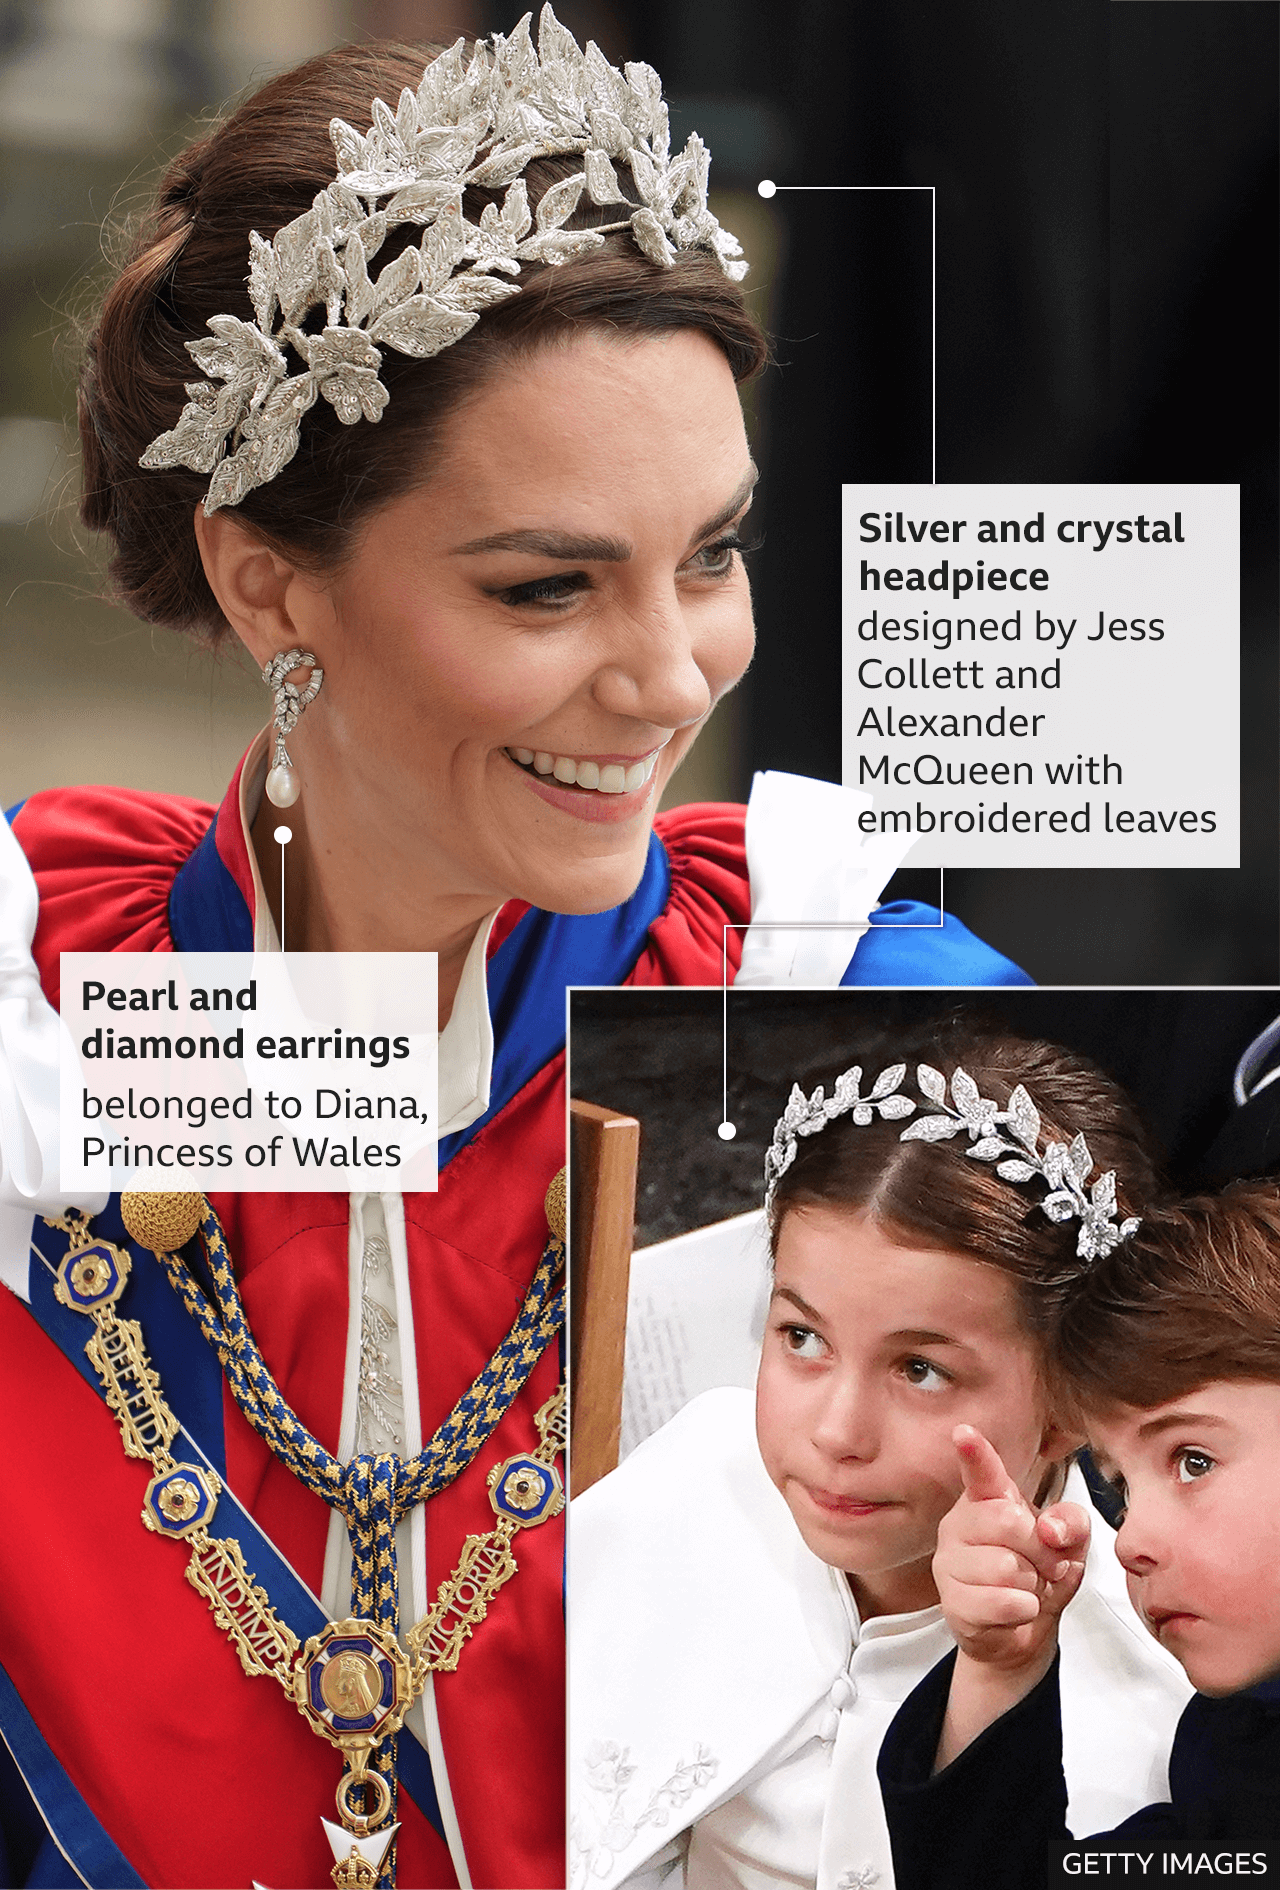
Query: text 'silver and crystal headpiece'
point(474, 123)
point(1009, 1137)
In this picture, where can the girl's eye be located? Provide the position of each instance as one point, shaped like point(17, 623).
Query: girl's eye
point(802, 1342)
point(924, 1374)
point(1192, 1465)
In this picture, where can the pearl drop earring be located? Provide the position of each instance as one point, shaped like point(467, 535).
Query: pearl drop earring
point(283, 786)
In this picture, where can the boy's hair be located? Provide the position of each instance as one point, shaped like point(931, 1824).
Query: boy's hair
point(931, 1194)
point(1193, 1297)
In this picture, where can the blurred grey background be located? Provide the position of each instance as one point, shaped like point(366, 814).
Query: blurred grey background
point(1107, 297)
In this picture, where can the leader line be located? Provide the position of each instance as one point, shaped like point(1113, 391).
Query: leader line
point(767, 188)
point(726, 1129)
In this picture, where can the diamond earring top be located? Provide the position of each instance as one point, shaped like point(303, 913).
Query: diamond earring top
point(283, 787)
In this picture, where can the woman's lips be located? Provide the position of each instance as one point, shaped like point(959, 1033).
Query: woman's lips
point(597, 774)
point(587, 804)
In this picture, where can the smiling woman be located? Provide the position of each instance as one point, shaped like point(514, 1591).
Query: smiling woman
point(462, 465)
point(518, 653)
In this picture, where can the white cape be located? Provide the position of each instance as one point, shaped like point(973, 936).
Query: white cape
point(709, 1648)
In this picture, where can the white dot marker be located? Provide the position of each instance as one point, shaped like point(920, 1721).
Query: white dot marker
point(726, 1131)
point(767, 187)
point(282, 836)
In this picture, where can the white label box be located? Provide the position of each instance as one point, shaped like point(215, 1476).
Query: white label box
point(292, 1072)
point(1045, 675)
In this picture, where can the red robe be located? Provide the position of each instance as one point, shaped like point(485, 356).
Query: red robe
point(201, 1775)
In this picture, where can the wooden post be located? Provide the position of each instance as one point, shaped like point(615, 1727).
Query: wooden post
point(605, 1150)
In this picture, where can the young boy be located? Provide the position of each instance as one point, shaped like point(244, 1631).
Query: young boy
point(1171, 1346)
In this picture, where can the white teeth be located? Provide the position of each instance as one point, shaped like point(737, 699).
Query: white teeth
point(614, 777)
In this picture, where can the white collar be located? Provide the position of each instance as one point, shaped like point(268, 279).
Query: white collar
point(466, 1042)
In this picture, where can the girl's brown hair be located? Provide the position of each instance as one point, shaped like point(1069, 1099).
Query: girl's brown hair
point(931, 1194)
point(189, 260)
point(1193, 1298)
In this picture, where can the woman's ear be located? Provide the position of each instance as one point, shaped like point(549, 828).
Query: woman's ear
point(269, 603)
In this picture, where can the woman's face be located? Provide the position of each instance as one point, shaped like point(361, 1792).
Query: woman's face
point(873, 1353)
point(524, 648)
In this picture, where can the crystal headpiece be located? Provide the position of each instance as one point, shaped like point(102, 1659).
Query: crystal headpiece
point(474, 123)
point(1064, 1166)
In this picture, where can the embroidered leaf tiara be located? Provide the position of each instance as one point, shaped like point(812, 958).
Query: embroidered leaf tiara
point(1009, 1137)
point(474, 123)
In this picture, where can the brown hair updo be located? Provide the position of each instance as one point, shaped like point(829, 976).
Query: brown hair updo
point(932, 1194)
point(189, 260)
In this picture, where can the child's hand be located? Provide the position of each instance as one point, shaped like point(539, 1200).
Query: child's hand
point(1004, 1570)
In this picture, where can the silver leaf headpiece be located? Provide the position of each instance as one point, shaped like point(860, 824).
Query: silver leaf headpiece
point(474, 123)
point(1009, 1137)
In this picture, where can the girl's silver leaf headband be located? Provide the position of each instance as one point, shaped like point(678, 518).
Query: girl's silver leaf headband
point(474, 123)
point(1065, 1167)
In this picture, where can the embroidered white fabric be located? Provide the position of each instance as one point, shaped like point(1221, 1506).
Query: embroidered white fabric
point(377, 1222)
point(815, 877)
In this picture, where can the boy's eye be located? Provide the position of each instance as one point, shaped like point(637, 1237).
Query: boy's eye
point(1192, 1465)
point(923, 1373)
point(802, 1341)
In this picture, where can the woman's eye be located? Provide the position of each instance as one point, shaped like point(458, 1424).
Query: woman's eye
point(1192, 1465)
point(547, 593)
point(802, 1342)
point(716, 559)
point(923, 1373)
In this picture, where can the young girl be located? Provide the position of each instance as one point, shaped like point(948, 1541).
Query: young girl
point(1173, 1348)
point(752, 1601)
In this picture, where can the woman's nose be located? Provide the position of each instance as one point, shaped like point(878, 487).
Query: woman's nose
point(652, 673)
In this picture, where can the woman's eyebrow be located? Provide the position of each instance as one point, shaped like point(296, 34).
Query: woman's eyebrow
point(568, 546)
point(731, 510)
point(575, 547)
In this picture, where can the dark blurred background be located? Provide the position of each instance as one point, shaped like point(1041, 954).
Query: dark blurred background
point(1107, 309)
point(662, 1056)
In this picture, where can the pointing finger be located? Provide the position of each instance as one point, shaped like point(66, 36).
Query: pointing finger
point(985, 1477)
